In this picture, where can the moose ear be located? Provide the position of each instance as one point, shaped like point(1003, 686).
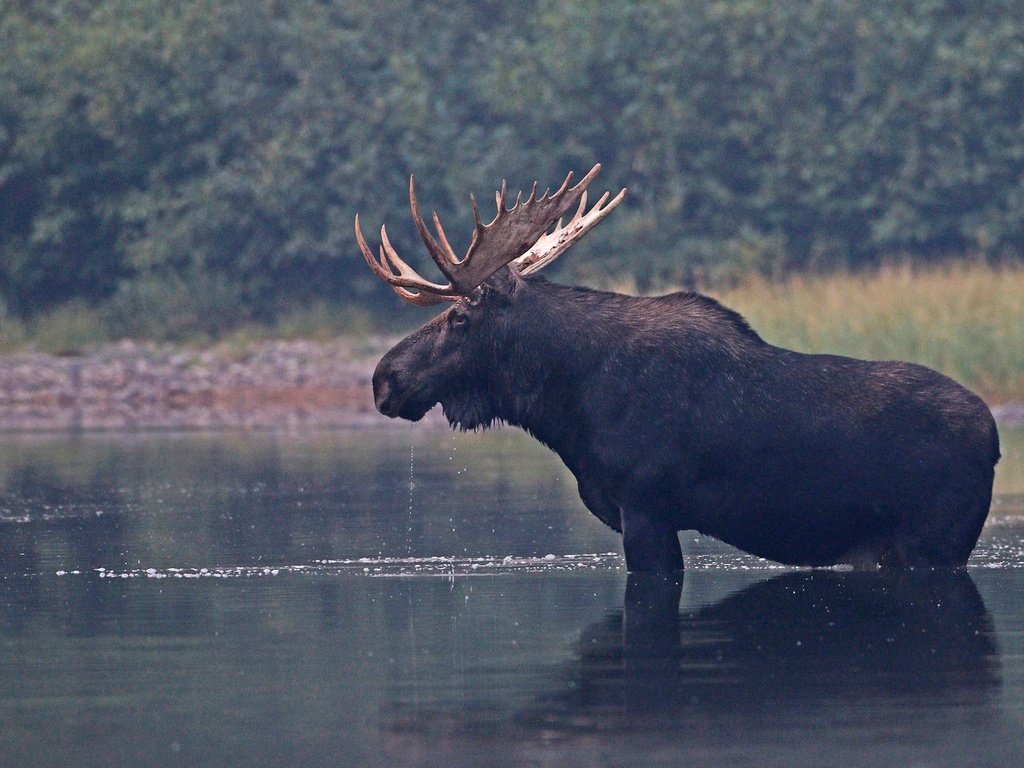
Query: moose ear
point(503, 284)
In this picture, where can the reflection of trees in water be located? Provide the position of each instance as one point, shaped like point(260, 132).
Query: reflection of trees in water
point(19, 589)
point(81, 516)
point(265, 512)
point(46, 512)
point(195, 501)
point(796, 653)
point(81, 506)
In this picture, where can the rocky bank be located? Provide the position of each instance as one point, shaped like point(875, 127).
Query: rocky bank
point(141, 386)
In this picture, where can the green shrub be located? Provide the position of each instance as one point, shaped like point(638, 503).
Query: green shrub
point(170, 308)
point(12, 331)
point(68, 329)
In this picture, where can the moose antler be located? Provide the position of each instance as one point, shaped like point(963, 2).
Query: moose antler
point(517, 236)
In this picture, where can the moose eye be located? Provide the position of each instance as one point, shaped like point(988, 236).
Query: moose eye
point(458, 319)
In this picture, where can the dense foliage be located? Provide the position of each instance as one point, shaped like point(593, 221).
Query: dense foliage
point(192, 163)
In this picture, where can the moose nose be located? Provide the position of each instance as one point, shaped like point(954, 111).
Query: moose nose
point(382, 399)
point(383, 393)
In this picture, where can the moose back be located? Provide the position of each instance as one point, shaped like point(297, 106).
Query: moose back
point(673, 414)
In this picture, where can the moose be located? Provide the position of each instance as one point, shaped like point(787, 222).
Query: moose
point(673, 414)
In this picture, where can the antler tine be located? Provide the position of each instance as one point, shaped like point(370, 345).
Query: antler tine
point(426, 293)
point(371, 261)
point(386, 265)
point(449, 252)
point(550, 246)
point(476, 212)
point(499, 201)
point(568, 180)
point(585, 181)
point(406, 277)
point(444, 257)
point(422, 298)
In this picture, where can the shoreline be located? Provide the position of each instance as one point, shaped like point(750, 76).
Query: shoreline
point(131, 386)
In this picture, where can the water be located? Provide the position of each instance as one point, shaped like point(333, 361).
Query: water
point(404, 596)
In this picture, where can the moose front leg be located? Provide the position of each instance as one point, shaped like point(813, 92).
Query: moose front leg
point(650, 546)
point(599, 504)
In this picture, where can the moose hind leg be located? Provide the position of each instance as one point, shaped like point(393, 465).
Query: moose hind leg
point(945, 533)
point(649, 547)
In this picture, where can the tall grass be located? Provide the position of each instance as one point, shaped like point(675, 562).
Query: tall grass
point(966, 320)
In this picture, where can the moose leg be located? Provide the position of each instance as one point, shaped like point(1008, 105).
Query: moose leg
point(649, 547)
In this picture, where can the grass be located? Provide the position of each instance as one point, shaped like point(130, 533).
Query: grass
point(75, 327)
point(965, 320)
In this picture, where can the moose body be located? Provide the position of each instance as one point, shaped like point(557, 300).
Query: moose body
point(673, 414)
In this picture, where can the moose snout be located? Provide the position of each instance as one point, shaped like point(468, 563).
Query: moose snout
point(384, 392)
point(399, 393)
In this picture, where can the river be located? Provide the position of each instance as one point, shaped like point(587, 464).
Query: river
point(409, 596)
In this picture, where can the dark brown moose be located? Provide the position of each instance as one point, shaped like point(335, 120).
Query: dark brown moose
point(673, 414)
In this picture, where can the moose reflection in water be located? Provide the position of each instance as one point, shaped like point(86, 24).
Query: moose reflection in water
point(795, 652)
point(673, 414)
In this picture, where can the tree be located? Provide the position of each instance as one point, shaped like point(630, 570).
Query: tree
point(201, 161)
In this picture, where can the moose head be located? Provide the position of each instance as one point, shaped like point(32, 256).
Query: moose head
point(452, 359)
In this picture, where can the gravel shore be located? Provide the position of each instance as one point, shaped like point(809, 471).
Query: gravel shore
point(141, 386)
point(274, 384)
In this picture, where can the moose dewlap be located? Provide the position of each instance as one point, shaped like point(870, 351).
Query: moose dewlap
point(673, 414)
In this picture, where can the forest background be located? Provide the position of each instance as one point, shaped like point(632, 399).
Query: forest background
point(176, 169)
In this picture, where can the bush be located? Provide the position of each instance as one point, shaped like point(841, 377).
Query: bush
point(68, 329)
point(12, 331)
point(170, 308)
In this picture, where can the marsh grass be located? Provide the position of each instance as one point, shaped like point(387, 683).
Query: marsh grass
point(966, 320)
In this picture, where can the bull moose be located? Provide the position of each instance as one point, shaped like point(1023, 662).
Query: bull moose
point(673, 414)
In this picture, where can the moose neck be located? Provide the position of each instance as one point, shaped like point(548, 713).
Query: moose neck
point(551, 348)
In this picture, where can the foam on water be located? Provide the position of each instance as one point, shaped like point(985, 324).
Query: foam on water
point(379, 567)
point(1001, 548)
point(997, 555)
point(437, 566)
point(21, 513)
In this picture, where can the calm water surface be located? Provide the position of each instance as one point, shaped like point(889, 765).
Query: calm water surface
point(406, 596)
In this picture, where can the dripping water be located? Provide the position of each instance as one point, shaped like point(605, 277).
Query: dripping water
point(408, 550)
point(451, 460)
point(412, 489)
